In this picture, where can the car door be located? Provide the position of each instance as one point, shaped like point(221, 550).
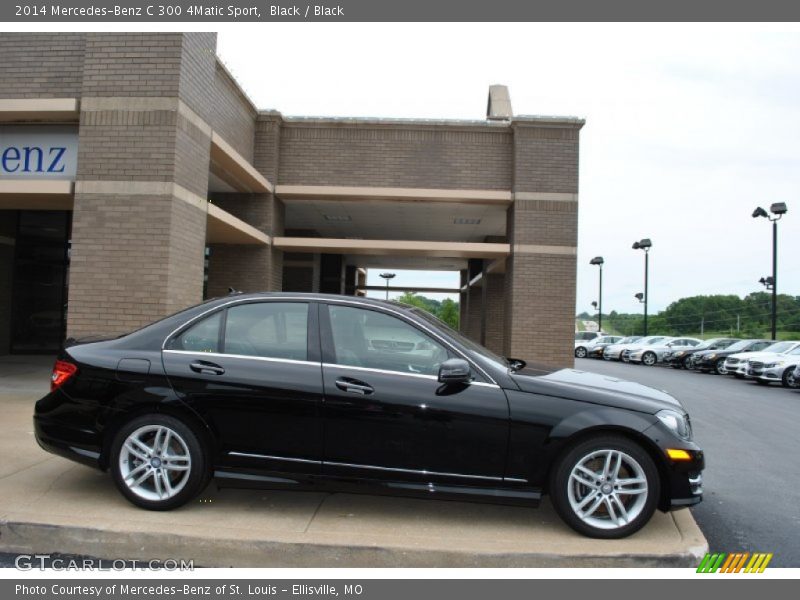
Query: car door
point(386, 415)
point(252, 370)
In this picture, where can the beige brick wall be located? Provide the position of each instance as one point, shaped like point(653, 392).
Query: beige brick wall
point(495, 312)
point(233, 117)
point(26, 71)
point(396, 156)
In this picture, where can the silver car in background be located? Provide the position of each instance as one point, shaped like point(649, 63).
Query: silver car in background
point(778, 368)
point(737, 364)
point(618, 351)
point(654, 353)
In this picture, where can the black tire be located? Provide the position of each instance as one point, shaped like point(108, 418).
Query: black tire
point(199, 472)
point(560, 482)
point(580, 352)
point(687, 363)
point(719, 367)
point(788, 379)
point(649, 359)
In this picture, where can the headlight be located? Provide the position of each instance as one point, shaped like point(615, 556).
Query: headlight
point(681, 353)
point(711, 356)
point(773, 365)
point(677, 423)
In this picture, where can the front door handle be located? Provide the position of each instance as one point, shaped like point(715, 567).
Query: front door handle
point(354, 386)
point(209, 368)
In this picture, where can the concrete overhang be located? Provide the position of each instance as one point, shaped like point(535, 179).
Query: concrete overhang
point(235, 170)
point(223, 228)
point(392, 247)
point(39, 109)
point(391, 194)
point(36, 194)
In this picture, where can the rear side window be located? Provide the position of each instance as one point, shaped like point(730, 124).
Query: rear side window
point(268, 329)
point(200, 337)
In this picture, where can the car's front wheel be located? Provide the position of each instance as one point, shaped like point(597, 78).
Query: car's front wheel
point(605, 487)
point(580, 352)
point(649, 359)
point(687, 363)
point(789, 380)
point(158, 462)
point(719, 367)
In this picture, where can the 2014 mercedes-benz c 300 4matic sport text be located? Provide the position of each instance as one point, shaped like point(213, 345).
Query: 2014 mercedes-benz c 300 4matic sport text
point(312, 391)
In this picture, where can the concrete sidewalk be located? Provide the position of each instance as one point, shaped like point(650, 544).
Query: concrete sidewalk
point(49, 504)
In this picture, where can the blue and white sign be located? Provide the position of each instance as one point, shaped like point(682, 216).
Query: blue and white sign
point(38, 152)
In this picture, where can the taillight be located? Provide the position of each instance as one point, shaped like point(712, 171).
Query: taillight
point(62, 372)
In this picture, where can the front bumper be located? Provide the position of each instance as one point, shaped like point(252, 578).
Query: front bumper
point(771, 375)
point(682, 479)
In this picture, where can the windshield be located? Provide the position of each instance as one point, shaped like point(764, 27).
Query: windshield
point(779, 347)
point(740, 345)
point(629, 339)
point(651, 341)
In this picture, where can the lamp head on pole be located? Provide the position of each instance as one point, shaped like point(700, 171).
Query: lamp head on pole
point(644, 244)
point(639, 296)
point(388, 276)
point(597, 260)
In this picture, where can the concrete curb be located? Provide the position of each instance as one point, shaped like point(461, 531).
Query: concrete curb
point(41, 538)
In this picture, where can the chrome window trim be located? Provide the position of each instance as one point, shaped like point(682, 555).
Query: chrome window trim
point(390, 372)
point(323, 301)
point(262, 358)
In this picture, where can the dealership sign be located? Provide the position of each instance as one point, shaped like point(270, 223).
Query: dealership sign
point(38, 152)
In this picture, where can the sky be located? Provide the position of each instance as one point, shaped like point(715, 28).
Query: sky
point(688, 129)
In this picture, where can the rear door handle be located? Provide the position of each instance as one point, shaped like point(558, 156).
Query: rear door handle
point(354, 386)
point(209, 368)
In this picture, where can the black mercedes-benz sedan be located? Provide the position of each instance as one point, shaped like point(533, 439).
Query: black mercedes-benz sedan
point(311, 391)
point(714, 360)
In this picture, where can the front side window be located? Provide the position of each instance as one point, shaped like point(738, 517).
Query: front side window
point(366, 338)
point(268, 330)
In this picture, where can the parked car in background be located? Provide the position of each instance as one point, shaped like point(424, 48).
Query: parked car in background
point(652, 340)
point(713, 361)
point(315, 391)
point(652, 354)
point(614, 351)
point(736, 364)
point(599, 347)
point(583, 348)
point(681, 359)
point(776, 369)
point(586, 336)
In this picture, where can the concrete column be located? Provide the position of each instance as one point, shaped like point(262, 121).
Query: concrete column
point(139, 218)
point(8, 231)
point(542, 230)
point(495, 312)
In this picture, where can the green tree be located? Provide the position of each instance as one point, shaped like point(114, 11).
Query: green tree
point(446, 310)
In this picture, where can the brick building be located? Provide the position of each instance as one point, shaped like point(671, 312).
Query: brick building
point(136, 178)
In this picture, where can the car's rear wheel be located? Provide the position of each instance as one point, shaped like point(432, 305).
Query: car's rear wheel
point(605, 487)
point(158, 462)
point(580, 352)
point(649, 359)
point(719, 367)
point(789, 380)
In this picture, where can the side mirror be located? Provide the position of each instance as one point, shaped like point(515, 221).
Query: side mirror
point(454, 370)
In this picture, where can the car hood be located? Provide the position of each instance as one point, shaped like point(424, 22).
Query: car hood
point(597, 389)
point(756, 355)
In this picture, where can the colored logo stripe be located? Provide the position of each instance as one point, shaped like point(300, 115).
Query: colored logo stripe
point(734, 563)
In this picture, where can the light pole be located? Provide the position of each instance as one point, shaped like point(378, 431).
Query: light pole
point(598, 260)
point(387, 277)
point(645, 245)
point(778, 209)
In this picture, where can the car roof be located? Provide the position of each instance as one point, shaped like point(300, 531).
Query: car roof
point(313, 296)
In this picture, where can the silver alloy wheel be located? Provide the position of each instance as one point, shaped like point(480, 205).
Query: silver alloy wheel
point(607, 489)
point(649, 359)
point(791, 380)
point(580, 352)
point(720, 367)
point(155, 462)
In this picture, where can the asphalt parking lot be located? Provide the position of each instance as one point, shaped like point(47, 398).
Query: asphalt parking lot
point(750, 435)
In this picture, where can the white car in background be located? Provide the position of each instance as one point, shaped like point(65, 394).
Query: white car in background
point(620, 351)
point(651, 354)
point(778, 368)
point(736, 364)
point(582, 348)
